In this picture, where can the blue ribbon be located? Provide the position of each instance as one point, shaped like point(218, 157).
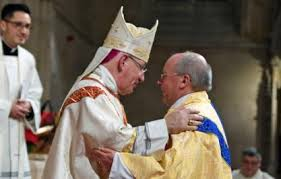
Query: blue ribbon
point(209, 126)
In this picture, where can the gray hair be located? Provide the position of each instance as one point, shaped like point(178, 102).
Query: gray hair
point(252, 152)
point(198, 69)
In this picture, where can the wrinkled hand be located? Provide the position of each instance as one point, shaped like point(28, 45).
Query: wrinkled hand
point(183, 120)
point(20, 109)
point(103, 158)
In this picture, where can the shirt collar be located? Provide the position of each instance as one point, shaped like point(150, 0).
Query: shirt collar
point(9, 51)
point(179, 101)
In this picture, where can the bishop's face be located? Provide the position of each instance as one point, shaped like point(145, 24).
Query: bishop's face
point(16, 29)
point(132, 74)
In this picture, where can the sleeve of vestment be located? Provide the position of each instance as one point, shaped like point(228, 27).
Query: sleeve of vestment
point(33, 96)
point(151, 137)
point(101, 123)
point(118, 169)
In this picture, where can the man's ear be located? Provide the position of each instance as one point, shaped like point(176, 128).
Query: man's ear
point(185, 81)
point(2, 26)
point(122, 63)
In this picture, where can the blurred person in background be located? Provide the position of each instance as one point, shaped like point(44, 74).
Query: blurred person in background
point(250, 166)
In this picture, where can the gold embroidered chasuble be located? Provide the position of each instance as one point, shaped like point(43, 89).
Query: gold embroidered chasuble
point(192, 154)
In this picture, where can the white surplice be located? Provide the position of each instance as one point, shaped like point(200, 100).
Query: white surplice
point(259, 175)
point(18, 79)
point(93, 110)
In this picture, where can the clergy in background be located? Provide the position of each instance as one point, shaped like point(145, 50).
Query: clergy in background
point(20, 91)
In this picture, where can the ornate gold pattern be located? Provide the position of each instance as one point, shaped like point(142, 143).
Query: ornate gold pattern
point(136, 31)
point(129, 38)
point(113, 42)
point(141, 53)
point(76, 96)
point(125, 121)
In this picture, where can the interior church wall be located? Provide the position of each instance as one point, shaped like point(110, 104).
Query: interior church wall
point(66, 35)
point(236, 79)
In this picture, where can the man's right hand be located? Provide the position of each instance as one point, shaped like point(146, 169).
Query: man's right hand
point(183, 120)
point(103, 158)
point(19, 110)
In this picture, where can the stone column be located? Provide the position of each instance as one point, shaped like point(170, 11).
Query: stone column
point(276, 84)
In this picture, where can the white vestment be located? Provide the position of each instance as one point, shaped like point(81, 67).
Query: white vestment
point(236, 174)
point(18, 80)
point(92, 116)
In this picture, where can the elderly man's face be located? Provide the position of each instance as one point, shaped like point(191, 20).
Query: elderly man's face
point(169, 81)
point(132, 75)
point(250, 165)
point(16, 29)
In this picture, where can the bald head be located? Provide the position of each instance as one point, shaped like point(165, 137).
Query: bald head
point(198, 69)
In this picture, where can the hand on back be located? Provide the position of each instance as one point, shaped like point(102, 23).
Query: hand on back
point(183, 120)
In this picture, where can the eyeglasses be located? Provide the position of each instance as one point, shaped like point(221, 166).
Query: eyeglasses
point(164, 75)
point(140, 66)
point(19, 25)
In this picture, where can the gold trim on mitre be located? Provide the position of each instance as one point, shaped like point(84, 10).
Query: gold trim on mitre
point(128, 38)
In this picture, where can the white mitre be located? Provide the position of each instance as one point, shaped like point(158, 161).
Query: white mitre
point(125, 37)
point(128, 38)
